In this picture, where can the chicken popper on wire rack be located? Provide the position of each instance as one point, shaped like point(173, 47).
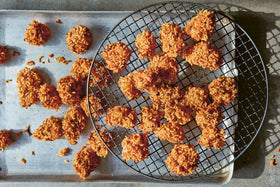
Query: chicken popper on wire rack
point(145, 44)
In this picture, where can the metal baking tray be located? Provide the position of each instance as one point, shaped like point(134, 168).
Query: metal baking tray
point(44, 166)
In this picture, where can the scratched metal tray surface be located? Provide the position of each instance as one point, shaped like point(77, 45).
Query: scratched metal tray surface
point(44, 165)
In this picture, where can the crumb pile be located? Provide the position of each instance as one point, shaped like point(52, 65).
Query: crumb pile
point(49, 97)
point(78, 39)
point(135, 147)
point(123, 116)
point(73, 123)
point(183, 159)
point(37, 33)
point(50, 130)
point(145, 44)
point(28, 87)
point(116, 56)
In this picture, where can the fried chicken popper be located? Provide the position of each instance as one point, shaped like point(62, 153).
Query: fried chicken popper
point(69, 90)
point(223, 90)
point(50, 130)
point(5, 139)
point(97, 145)
point(78, 39)
point(209, 116)
point(49, 97)
point(172, 40)
point(145, 79)
point(150, 119)
point(85, 162)
point(145, 44)
point(80, 69)
point(73, 124)
point(168, 68)
point(127, 85)
point(135, 147)
point(3, 54)
point(176, 113)
point(164, 94)
point(28, 87)
point(172, 132)
point(196, 98)
point(204, 55)
point(98, 106)
point(201, 26)
point(116, 56)
point(183, 159)
point(212, 136)
point(100, 76)
point(122, 116)
point(37, 33)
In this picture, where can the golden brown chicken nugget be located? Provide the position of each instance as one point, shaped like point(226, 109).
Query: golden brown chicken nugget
point(80, 69)
point(172, 132)
point(212, 136)
point(98, 106)
point(145, 44)
point(5, 139)
point(150, 119)
point(49, 97)
point(37, 33)
point(100, 76)
point(145, 79)
point(176, 113)
point(196, 98)
point(127, 85)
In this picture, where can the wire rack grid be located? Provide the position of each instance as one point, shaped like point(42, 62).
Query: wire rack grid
point(243, 117)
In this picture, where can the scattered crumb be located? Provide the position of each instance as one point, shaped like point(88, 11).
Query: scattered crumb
point(8, 80)
point(48, 60)
point(58, 21)
point(23, 160)
point(50, 55)
point(27, 130)
point(272, 156)
point(273, 162)
point(19, 133)
point(66, 161)
point(62, 60)
point(16, 53)
point(1, 102)
point(66, 62)
point(43, 62)
point(63, 152)
point(30, 63)
point(278, 150)
point(40, 58)
point(32, 153)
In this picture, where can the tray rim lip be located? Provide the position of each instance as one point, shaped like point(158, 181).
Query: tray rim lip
point(151, 180)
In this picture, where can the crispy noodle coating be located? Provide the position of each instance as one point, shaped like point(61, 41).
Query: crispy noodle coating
point(183, 159)
point(223, 90)
point(69, 90)
point(168, 68)
point(3, 54)
point(212, 136)
point(80, 69)
point(145, 79)
point(122, 116)
point(164, 94)
point(50, 130)
point(78, 39)
point(5, 139)
point(176, 113)
point(98, 106)
point(100, 76)
point(172, 40)
point(135, 147)
point(150, 119)
point(116, 56)
point(196, 98)
point(209, 116)
point(28, 87)
point(97, 145)
point(145, 44)
point(49, 97)
point(73, 123)
point(37, 33)
point(85, 162)
point(201, 26)
point(128, 87)
point(172, 132)
point(204, 55)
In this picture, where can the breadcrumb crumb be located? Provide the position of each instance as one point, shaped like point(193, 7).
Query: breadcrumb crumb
point(37, 33)
point(123, 116)
point(201, 26)
point(85, 162)
point(5, 139)
point(66, 161)
point(183, 159)
point(63, 152)
point(50, 130)
point(27, 130)
point(135, 147)
point(8, 80)
point(58, 21)
point(116, 56)
point(32, 153)
point(51, 55)
point(150, 119)
point(273, 162)
point(172, 132)
point(40, 58)
point(145, 44)
point(16, 53)
point(30, 63)
point(22, 160)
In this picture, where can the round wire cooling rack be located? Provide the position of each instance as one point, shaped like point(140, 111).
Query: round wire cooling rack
point(243, 117)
